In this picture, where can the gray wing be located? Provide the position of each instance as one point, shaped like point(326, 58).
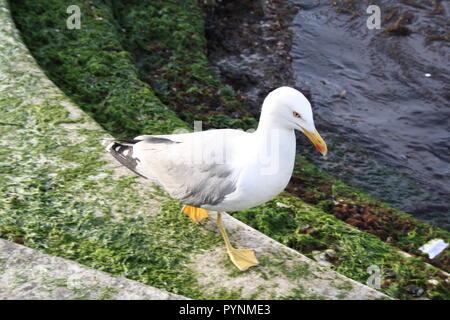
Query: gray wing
point(190, 179)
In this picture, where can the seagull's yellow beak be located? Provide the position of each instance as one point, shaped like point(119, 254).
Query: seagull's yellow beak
point(317, 140)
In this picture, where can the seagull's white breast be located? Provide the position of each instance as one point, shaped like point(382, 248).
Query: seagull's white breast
point(265, 166)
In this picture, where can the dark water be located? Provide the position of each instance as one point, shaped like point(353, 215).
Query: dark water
point(383, 98)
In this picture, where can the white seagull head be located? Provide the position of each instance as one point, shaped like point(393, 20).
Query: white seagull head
point(290, 109)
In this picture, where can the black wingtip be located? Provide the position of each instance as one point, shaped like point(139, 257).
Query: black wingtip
point(122, 151)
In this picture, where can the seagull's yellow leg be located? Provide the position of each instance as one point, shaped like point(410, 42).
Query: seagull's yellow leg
point(196, 214)
point(241, 258)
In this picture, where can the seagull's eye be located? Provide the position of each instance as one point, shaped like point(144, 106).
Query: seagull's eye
point(296, 115)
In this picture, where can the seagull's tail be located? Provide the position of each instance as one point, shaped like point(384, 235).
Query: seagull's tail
point(122, 151)
point(109, 143)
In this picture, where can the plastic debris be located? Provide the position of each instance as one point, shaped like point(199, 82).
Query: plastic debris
point(433, 282)
point(282, 205)
point(324, 257)
point(434, 247)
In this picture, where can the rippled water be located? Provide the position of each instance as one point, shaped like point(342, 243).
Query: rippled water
point(385, 96)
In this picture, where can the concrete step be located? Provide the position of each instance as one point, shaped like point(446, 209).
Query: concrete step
point(27, 274)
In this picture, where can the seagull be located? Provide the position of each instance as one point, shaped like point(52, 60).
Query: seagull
point(225, 169)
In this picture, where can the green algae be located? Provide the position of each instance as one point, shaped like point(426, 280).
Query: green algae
point(168, 42)
point(79, 290)
point(19, 279)
point(308, 229)
point(400, 229)
point(60, 198)
point(301, 294)
point(48, 213)
point(93, 67)
point(299, 271)
point(168, 53)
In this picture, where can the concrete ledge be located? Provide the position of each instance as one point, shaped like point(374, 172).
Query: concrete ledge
point(283, 273)
point(27, 274)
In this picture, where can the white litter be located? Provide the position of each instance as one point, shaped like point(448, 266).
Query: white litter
point(98, 176)
point(433, 282)
point(282, 205)
point(321, 258)
point(434, 247)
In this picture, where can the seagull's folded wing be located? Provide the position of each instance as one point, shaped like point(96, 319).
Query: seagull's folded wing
point(193, 168)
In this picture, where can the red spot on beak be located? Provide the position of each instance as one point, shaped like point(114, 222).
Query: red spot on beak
point(318, 148)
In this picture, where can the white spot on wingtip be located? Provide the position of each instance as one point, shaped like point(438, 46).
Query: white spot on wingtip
point(109, 146)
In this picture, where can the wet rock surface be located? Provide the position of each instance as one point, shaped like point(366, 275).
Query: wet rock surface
point(249, 45)
point(27, 274)
point(381, 95)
